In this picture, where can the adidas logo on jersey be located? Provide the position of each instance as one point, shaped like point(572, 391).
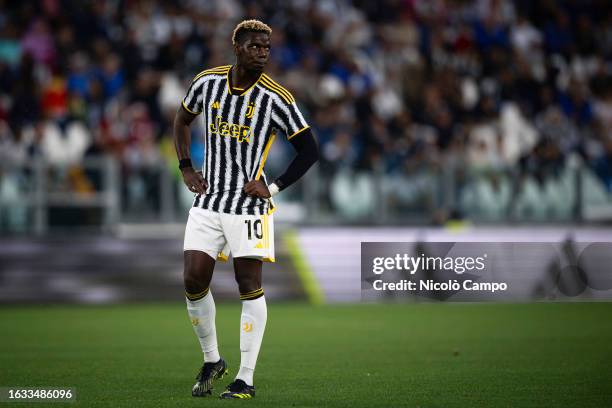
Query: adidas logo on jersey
point(222, 128)
point(215, 105)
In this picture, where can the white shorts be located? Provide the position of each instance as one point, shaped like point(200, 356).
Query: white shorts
point(219, 234)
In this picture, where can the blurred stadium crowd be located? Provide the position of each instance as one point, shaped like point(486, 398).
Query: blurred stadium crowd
point(509, 95)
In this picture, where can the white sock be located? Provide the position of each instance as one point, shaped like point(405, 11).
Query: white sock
point(202, 315)
point(252, 327)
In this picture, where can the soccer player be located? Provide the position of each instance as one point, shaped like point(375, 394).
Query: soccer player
point(242, 109)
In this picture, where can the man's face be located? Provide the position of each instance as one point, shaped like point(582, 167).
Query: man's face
point(253, 52)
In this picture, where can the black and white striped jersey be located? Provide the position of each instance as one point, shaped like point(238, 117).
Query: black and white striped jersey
point(240, 127)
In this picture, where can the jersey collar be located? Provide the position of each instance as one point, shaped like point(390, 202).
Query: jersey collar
point(241, 92)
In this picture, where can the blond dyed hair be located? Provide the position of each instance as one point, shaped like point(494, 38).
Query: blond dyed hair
point(250, 25)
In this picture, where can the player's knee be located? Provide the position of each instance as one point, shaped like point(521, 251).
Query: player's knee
point(247, 283)
point(192, 283)
point(195, 280)
point(197, 272)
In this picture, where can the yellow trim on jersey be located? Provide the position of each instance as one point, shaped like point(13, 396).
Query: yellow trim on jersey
point(229, 88)
point(298, 132)
point(216, 70)
point(284, 94)
point(222, 257)
point(189, 110)
point(277, 90)
point(265, 155)
point(279, 86)
point(271, 206)
point(250, 87)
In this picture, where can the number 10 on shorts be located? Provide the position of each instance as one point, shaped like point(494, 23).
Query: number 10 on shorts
point(254, 228)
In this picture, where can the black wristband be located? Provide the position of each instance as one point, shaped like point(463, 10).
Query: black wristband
point(184, 163)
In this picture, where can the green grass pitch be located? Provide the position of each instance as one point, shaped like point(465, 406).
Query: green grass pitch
point(419, 355)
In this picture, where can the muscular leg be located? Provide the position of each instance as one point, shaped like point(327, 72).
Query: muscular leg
point(197, 274)
point(254, 315)
point(248, 274)
point(198, 271)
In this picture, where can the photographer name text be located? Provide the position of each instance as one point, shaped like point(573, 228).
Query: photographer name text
point(413, 264)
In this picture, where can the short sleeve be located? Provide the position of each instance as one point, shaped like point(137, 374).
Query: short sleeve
point(192, 101)
point(289, 118)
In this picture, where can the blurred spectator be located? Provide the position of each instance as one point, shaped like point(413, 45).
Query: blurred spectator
point(487, 197)
point(64, 143)
point(39, 42)
point(603, 166)
point(353, 195)
point(341, 152)
point(10, 48)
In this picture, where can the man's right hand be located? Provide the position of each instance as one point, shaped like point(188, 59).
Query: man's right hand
point(194, 180)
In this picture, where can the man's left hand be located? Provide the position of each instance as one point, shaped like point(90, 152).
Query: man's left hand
point(257, 188)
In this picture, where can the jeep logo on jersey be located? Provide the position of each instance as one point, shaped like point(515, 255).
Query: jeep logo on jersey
point(222, 128)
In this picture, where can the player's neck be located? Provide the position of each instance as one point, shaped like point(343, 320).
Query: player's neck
point(242, 78)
